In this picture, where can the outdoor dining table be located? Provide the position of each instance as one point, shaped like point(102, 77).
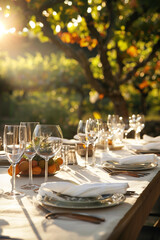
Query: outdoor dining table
point(21, 218)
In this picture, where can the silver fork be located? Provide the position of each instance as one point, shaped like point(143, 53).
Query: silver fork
point(129, 173)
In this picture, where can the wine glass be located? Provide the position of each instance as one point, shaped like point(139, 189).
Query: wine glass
point(112, 123)
point(29, 152)
point(91, 131)
point(87, 132)
point(128, 127)
point(82, 137)
point(137, 124)
point(120, 130)
point(140, 123)
point(14, 146)
point(47, 141)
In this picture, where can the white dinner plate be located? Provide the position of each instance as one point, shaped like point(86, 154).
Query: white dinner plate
point(131, 167)
point(83, 203)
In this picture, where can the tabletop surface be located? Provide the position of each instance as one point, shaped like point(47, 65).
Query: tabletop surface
point(22, 219)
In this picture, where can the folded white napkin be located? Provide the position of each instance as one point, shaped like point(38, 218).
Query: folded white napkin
point(147, 138)
point(70, 141)
point(138, 159)
point(83, 190)
point(147, 146)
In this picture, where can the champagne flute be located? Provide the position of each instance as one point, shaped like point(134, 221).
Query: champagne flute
point(47, 141)
point(14, 146)
point(29, 152)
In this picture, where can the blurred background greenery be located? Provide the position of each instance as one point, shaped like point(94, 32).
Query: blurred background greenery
point(45, 77)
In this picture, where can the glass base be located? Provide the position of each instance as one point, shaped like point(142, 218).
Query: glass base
point(13, 194)
point(30, 186)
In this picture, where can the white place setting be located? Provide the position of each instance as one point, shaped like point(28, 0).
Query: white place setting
point(82, 201)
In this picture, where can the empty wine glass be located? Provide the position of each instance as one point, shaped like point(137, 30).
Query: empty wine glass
point(92, 135)
point(87, 132)
point(132, 122)
point(47, 141)
point(139, 126)
point(99, 122)
point(137, 123)
point(81, 133)
point(112, 122)
point(14, 146)
point(29, 152)
point(128, 128)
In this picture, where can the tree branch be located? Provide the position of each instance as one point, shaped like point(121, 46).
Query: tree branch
point(91, 27)
point(108, 76)
point(49, 4)
point(119, 61)
point(111, 20)
point(79, 55)
point(143, 63)
point(133, 17)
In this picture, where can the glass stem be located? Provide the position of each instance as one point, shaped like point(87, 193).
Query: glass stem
point(125, 135)
point(137, 135)
point(30, 172)
point(86, 159)
point(93, 156)
point(46, 169)
point(13, 177)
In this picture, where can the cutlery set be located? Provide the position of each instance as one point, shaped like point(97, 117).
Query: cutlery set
point(137, 174)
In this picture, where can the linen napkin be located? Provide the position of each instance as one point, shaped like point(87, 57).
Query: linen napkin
point(70, 141)
point(83, 190)
point(147, 138)
point(137, 159)
point(147, 146)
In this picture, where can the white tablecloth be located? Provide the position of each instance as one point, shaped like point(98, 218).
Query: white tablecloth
point(21, 218)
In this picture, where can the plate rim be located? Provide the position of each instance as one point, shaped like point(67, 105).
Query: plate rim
point(121, 198)
point(139, 168)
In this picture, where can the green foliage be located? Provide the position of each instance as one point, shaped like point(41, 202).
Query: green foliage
point(44, 89)
point(54, 88)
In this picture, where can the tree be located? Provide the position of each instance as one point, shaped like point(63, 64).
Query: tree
point(110, 39)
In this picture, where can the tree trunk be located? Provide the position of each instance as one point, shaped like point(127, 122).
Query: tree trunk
point(143, 106)
point(120, 105)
